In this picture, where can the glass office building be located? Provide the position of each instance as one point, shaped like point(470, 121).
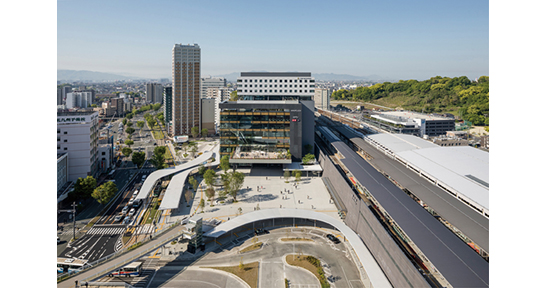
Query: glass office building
point(268, 126)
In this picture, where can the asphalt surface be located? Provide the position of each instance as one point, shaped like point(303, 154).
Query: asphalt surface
point(104, 237)
point(188, 270)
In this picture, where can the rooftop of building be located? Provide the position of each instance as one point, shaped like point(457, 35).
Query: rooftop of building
point(275, 74)
point(75, 113)
point(413, 115)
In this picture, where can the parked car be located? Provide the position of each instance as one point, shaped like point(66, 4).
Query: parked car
point(333, 238)
point(260, 231)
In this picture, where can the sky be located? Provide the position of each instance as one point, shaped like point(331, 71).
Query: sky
point(392, 39)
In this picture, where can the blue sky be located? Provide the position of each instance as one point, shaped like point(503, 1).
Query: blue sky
point(393, 39)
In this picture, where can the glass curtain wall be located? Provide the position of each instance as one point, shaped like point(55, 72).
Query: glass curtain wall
point(255, 133)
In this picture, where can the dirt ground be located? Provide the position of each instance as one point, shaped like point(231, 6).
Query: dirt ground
point(478, 130)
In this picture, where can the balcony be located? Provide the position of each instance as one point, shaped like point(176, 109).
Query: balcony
point(279, 156)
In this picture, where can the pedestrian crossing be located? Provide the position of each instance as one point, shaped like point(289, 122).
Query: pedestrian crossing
point(145, 229)
point(106, 230)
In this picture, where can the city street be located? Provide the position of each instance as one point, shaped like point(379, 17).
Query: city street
point(173, 270)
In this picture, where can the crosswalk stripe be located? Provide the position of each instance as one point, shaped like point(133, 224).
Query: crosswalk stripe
point(102, 230)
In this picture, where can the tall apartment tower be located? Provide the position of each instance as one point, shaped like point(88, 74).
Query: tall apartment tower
point(186, 75)
point(154, 93)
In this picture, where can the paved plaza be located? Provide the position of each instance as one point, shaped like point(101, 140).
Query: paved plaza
point(263, 188)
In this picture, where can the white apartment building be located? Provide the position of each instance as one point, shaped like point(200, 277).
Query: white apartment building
point(276, 86)
point(211, 82)
point(77, 135)
point(220, 93)
point(79, 99)
point(322, 98)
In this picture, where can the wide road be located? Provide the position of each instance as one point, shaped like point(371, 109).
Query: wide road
point(105, 237)
point(273, 268)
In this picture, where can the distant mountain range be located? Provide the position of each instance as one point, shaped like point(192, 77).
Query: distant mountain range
point(84, 75)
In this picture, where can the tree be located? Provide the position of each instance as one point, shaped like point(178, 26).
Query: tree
point(130, 130)
point(140, 125)
point(224, 163)
point(126, 151)
point(210, 192)
point(286, 175)
point(233, 96)
point(160, 150)
point(129, 142)
point(193, 183)
point(193, 149)
point(138, 158)
point(195, 132)
point(84, 186)
point(297, 174)
point(204, 132)
point(209, 177)
point(158, 159)
point(235, 183)
point(308, 158)
point(202, 204)
point(105, 192)
point(241, 265)
point(188, 195)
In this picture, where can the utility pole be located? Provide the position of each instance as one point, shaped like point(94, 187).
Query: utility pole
point(73, 210)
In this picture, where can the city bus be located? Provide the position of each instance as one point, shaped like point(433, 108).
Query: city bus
point(132, 269)
point(70, 265)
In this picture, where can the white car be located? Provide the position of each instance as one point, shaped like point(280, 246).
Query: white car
point(124, 210)
point(132, 212)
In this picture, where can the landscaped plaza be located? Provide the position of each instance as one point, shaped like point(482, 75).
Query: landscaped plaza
point(263, 188)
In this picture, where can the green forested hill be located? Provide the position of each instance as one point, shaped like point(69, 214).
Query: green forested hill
point(438, 94)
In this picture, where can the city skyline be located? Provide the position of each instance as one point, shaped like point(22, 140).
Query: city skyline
point(395, 40)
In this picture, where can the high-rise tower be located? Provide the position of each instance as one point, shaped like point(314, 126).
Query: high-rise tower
point(186, 74)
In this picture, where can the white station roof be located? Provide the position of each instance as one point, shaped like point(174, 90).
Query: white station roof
point(463, 168)
point(375, 274)
point(156, 175)
point(174, 191)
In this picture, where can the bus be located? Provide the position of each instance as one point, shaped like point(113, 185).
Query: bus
point(70, 265)
point(132, 269)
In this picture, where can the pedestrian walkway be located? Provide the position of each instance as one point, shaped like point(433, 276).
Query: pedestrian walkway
point(145, 229)
point(106, 230)
point(132, 255)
